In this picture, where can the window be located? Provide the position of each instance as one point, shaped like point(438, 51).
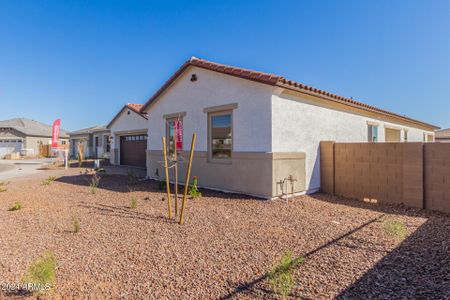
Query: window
point(372, 133)
point(135, 138)
point(107, 143)
point(63, 142)
point(428, 138)
point(220, 142)
point(174, 125)
point(392, 135)
point(405, 135)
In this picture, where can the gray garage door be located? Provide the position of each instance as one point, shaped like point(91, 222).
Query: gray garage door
point(9, 146)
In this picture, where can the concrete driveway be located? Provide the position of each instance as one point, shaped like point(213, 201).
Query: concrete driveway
point(10, 169)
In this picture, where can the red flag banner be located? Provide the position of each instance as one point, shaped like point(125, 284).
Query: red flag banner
point(55, 133)
point(179, 138)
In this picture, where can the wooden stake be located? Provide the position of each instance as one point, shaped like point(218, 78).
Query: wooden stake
point(166, 167)
point(175, 168)
point(188, 175)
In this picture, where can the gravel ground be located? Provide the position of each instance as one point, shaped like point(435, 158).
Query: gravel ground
point(223, 251)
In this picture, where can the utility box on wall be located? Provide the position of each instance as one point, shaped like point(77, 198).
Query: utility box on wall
point(285, 166)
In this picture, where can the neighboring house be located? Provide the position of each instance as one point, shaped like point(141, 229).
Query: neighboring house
point(129, 136)
point(95, 141)
point(443, 136)
point(255, 129)
point(25, 136)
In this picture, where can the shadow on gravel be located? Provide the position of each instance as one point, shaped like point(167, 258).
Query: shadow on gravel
point(121, 212)
point(251, 289)
point(417, 269)
point(15, 294)
point(115, 183)
point(123, 184)
point(382, 208)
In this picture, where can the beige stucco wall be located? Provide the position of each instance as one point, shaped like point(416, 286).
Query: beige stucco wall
point(32, 142)
point(300, 122)
point(252, 173)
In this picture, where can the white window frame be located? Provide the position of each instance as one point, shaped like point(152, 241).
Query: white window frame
point(210, 157)
point(370, 132)
point(173, 117)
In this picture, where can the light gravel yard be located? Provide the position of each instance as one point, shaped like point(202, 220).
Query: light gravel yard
point(223, 251)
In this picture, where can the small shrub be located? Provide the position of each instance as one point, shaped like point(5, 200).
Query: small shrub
point(132, 177)
point(41, 275)
point(133, 202)
point(395, 229)
point(16, 206)
point(280, 276)
point(94, 181)
point(193, 189)
point(3, 186)
point(161, 185)
point(76, 225)
point(80, 160)
point(49, 180)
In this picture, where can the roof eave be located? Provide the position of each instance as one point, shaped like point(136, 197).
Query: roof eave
point(275, 80)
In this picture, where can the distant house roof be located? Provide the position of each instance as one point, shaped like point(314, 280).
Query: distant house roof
point(89, 130)
point(31, 127)
point(137, 108)
point(443, 134)
point(276, 80)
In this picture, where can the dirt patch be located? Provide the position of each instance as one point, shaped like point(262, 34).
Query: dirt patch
point(225, 248)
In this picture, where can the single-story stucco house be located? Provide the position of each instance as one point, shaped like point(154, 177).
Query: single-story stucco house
point(95, 141)
point(443, 136)
point(255, 129)
point(25, 136)
point(129, 136)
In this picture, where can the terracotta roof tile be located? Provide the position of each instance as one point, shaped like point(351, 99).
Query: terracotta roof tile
point(135, 107)
point(276, 80)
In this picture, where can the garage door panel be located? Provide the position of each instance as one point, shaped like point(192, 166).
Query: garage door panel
point(133, 150)
point(8, 146)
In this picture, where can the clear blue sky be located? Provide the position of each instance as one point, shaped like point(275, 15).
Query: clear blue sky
point(83, 60)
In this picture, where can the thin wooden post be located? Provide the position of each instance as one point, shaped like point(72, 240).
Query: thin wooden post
point(175, 167)
point(166, 167)
point(188, 175)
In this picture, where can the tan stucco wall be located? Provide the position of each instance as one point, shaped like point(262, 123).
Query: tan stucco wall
point(252, 173)
point(32, 142)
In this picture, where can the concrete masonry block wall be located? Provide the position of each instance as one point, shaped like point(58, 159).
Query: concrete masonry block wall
point(437, 177)
point(413, 174)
